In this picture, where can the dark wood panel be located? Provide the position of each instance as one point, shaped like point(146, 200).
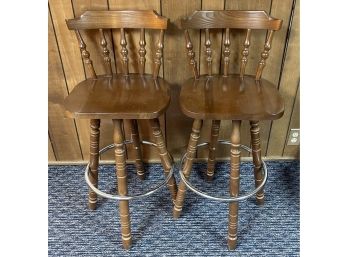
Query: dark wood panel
point(51, 156)
point(62, 130)
point(280, 9)
point(293, 151)
point(71, 60)
point(176, 71)
point(287, 87)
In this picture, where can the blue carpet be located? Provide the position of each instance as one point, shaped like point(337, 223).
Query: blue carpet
point(270, 230)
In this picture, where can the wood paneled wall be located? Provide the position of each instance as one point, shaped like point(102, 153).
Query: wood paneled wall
point(68, 139)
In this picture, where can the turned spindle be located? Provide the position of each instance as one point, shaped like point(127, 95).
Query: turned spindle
point(93, 161)
point(106, 52)
point(158, 55)
point(264, 55)
point(187, 166)
point(142, 51)
point(234, 184)
point(256, 152)
point(85, 55)
point(124, 52)
point(136, 145)
point(215, 127)
point(122, 186)
point(208, 51)
point(245, 53)
point(227, 51)
point(191, 54)
point(165, 157)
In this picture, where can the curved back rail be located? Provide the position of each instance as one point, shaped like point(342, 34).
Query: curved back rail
point(230, 19)
point(101, 20)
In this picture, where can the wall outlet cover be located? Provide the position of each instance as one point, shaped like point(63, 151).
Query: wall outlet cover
point(294, 137)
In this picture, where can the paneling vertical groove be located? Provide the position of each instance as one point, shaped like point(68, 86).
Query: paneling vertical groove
point(51, 154)
point(62, 130)
point(69, 139)
point(71, 60)
point(287, 88)
point(291, 150)
point(83, 123)
point(287, 40)
point(178, 125)
point(66, 84)
point(283, 60)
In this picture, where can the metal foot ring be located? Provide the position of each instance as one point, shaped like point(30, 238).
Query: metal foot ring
point(224, 199)
point(126, 197)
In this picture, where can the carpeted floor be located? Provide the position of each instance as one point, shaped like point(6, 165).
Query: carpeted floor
point(270, 230)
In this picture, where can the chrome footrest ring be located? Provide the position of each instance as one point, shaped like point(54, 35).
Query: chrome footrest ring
point(126, 197)
point(224, 199)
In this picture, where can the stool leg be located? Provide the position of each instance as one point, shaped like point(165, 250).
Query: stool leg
point(215, 127)
point(164, 155)
point(191, 151)
point(122, 183)
point(94, 161)
point(256, 147)
point(136, 144)
point(234, 184)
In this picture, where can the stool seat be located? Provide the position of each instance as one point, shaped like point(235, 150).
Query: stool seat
point(132, 96)
point(230, 97)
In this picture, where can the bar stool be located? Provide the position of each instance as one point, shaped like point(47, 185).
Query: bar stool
point(119, 97)
point(233, 97)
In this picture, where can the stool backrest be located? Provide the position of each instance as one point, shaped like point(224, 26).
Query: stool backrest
point(227, 20)
point(102, 20)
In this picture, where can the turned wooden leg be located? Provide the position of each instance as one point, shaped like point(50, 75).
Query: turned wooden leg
point(164, 155)
point(191, 151)
point(234, 184)
point(256, 147)
point(136, 144)
point(94, 161)
point(122, 183)
point(215, 127)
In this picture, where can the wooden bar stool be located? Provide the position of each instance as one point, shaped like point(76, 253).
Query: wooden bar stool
point(119, 97)
point(233, 97)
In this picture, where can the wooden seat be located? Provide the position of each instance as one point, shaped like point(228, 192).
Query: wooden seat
point(121, 97)
point(230, 98)
point(219, 97)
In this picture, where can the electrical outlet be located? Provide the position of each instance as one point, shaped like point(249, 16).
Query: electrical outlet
point(294, 137)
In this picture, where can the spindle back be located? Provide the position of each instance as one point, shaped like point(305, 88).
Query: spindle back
point(227, 20)
point(101, 20)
